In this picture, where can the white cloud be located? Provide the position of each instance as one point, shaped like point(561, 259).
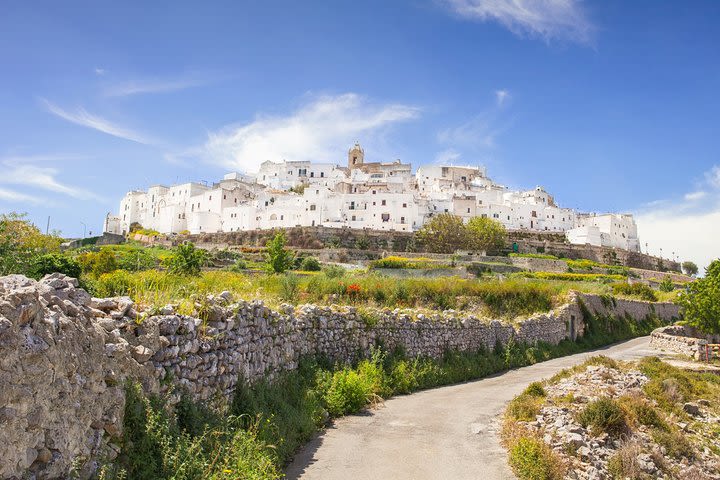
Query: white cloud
point(479, 131)
point(316, 131)
point(690, 228)
point(161, 85)
point(32, 176)
point(547, 19)
point(99, 71)
point(13, 196)
point(84, 118)
point(694, 196)
point(501, 96)
point(447, 157)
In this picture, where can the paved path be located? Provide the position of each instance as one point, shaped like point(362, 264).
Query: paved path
point(444, 433)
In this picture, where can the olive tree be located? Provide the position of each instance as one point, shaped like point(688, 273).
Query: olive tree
point(444, 233)
point(689, 268)
point(486, 234)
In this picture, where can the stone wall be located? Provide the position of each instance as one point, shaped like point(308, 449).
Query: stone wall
point(64, 356)
point(684, 340)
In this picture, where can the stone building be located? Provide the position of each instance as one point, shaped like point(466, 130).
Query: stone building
point(361, 195)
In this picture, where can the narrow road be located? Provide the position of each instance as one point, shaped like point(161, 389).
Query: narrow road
point(445, 433)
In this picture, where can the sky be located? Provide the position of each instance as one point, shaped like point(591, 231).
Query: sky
point(611, 105)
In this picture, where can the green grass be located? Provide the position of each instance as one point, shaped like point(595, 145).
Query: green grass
point(573, 277)
point(407, 263)
point(531, 459)
point(534, 255)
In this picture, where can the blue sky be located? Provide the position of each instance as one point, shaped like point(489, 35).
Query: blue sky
point(611, 105)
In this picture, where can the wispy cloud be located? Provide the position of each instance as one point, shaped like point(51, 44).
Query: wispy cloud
point(82, 117)
point(43, 178)
point(162, 85)
point(447, 157)
point(688, 227)
point(501, 96)
point(547, 19)
point(99, 71)
point(316, 131)
point(13, 196)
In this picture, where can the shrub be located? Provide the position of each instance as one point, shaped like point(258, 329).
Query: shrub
point(666, 285)
point(604, 415)
point(185, 259)
point(638, 290)
point(289, 287)
point(531, 459)
point(310, 264)
point(21, 242)
point(334, 271)
point(239, 265)
point(675, 442)
point(624, 464)
point(689, 268)
point(347, 392)
point(570, 277)
point(362, 243)
point(98, 263)
point(535, 389)
point(278, 258)
point(408, 263)
point(641, 411)
point(55, 262)
point(525, 407)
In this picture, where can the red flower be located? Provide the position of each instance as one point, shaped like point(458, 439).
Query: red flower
point(353, 289)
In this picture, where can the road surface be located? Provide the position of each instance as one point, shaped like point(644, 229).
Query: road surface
point(444, 433)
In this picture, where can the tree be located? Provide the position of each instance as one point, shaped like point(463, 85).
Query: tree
point(700, 302)
point(21, 243)
point(486, 234)
point(186, 259)
point(689, 268)
point(98, 263)
point(443, 233)
point(278, 258)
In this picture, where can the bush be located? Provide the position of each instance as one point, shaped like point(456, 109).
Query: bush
point(642, 412)
point(407, 263)
point(290, 287)
point(531, 459)
point(98, 263)
point(604, 415)
point(278, 258)
point(55, 262)
point(570, 277)
point(675, 442)
point(666, 285)
point(347, 392)
point(21, 243)
point(362, 243)
point(334, 271)
point(638, 290)
point(533, 255)
point(185, 259)
point(535, 389)
point(524, 407)
point(310, 264)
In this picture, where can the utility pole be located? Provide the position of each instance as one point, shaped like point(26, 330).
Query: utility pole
point(84, 229)
point(47, 228)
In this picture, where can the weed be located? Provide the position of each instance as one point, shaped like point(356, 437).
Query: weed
point(604, 415)
point(531, 459)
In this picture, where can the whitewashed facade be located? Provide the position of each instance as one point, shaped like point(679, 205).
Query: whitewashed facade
point(376, 195)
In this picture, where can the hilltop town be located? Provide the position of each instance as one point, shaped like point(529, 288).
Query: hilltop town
point(361, 195)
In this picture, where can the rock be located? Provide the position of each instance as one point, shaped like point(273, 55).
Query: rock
point(703, 402)
point(574, 439)
point(692, 409)
point(646, 464)
point(142, 354)
point(44, 455)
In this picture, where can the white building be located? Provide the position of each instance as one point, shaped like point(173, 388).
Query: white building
point(376, 195)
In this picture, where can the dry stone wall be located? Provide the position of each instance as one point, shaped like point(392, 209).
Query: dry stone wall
point(684, 340)
point(64, 356)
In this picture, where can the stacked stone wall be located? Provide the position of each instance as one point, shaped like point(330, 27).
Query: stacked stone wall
point(684, 340)
point(64, 356)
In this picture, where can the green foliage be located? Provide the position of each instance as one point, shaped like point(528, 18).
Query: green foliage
point(54, 262)
point(443, 233)
point(675, 442)
point(700, 302)
point(278, 258)
point(670, 385)
point(310, 264)
point(666, 285)
point(524, 407)
point(334, 271)
point(642, 412)
point(637, 290)
point(604, 415)
point(531, 459)
point(348, 391)
point(21, 243)
point(362, 243)
point(535, 389)
point(570, 277)
point(289, 287)
point(407, 263)
point(157, 444)
point(186, 259)
point(533, 255)
point(98, 263)
point(689, 268)
point(486, 234)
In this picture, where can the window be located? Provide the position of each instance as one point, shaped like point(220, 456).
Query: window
point(312, 208)
point(383, 203)
point(374, 192)
point(224, 197)
point(322, 174)
point(312, 174)
point(404, 205)
point(534, 214)
point(210, 197)
point(468, 210)
point(402, 219)
point(352, 205)
point(282, 217)
point(373, 203)
point(353, 218)
point(385, 217)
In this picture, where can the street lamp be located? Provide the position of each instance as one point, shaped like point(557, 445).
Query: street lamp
point(84, 229)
